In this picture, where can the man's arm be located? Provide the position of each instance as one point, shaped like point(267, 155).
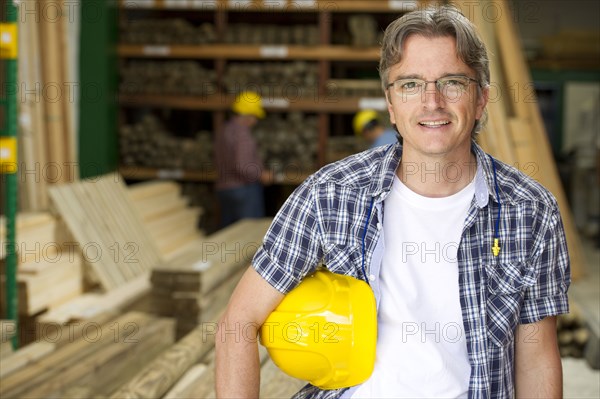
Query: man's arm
point(237, 364)
point(538, 369)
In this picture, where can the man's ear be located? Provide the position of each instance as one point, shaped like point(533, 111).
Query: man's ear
point(482, 100)
point(390, 107)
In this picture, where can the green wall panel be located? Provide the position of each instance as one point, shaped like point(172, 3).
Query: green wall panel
point(98, 142)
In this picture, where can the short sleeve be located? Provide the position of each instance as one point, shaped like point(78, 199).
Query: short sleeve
point(548, 296)
point(292, 246)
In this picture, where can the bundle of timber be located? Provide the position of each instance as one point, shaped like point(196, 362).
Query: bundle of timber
point(289, 80)
point(102, 358)
point(148, 143)
point(307, 35)
point(8, 329)
point(515, 132)
point(166, 77)
point(104, 222)
point(165, 213)
point(339, 88)
point(49, 267)
point(47, 107)
point(197, 283)
point(289, 143)
point(364, 31)
point(165, 31)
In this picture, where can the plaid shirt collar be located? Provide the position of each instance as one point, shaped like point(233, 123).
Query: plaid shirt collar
point(381, 186)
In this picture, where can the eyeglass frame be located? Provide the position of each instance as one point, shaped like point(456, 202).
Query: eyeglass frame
point(432, 81)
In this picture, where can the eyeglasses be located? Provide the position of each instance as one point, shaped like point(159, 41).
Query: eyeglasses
point(451, 87)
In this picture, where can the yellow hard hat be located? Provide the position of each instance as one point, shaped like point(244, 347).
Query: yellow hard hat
point(324, 331)
point(248, 103)
point(362, 118)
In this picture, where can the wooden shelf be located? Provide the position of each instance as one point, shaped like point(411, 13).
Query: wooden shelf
point(273, 5)
point(248, 52)
point(223, 102)
point(290, 177)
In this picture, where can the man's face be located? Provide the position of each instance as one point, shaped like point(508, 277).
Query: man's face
point(430, 123)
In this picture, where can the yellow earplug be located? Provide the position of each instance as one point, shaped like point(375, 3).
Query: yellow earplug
point(496, 247)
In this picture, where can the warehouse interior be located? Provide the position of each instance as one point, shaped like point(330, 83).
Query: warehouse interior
point(114, 262)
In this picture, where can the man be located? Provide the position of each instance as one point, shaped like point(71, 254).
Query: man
point(466, 255)
point(240, 171)
point(367, 125)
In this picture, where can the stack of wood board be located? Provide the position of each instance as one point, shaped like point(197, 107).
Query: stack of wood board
point(48, 104)
point(104, 222)
point(49, 270)
point(515, 132)
point(95, 364)
point(186, 369)
point(8, 329)
point(195, 284)
point(166, 215)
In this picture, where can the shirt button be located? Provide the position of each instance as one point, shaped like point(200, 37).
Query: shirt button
point(371, 277)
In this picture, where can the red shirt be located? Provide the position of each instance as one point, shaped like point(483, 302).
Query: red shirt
point(236, 156)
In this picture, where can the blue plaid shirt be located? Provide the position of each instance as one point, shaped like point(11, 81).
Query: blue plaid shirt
point(335, 217)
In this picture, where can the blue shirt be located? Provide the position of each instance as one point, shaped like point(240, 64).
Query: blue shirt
point(335, 217)
point(389, 136)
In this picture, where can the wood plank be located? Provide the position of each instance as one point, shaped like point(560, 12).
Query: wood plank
point(517, 72)
point(53, 99)
point(89, 305)
point(61, 360)
point(274, 383)
point(25, 356)
point(8, 329)
point(183, 388)
point(140, 191)
point(105, 365)
point(161, 374)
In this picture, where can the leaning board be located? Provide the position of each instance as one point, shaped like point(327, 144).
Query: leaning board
point(107, 227)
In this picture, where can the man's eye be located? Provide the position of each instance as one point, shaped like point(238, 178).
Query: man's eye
point(453, 83)
point(408, 85)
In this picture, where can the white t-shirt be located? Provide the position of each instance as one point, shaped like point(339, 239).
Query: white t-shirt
point(421, 345)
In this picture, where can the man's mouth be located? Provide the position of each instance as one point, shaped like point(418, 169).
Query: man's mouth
point(434, 123)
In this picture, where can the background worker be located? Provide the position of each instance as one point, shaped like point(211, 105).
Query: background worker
point(240, 172)
point(468, 263)
point(366, 123)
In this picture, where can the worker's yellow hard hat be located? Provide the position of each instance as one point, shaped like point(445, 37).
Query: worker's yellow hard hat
point(362, 118)
point(324, 331)
point(248, 103)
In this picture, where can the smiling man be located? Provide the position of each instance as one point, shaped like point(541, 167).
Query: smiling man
point(466, 256)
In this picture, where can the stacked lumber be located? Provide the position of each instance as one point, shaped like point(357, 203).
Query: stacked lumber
point(104, 222)
point(289, 80)
point(165, 31)
point(339, 88)
point(167, 77)
point(93, 365)
point(165, 213)
point(364, 30)
point(149, 144)
point(8, 329)
point(515, 133)
point(259, 34)
point(49, 270)
point(194, 285)
point(47, 134)
point(288, 142)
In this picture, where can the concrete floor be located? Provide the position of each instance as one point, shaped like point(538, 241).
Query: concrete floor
point(580, 380)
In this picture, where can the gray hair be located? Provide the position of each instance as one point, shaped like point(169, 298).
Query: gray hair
point(437, 22)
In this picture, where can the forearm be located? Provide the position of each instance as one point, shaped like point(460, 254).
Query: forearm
point(237, 365)
point(543, 382)
point(538, 368)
